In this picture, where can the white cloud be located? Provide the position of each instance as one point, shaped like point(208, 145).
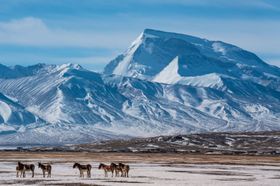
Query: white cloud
point(25, 24)
point(32, 31)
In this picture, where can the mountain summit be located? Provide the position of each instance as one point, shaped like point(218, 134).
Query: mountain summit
point(155, 55)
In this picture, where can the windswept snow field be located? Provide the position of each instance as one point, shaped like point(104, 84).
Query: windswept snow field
point(146, 169)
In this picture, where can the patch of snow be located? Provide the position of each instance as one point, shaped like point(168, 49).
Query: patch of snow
point(169, 74)
point(218, 47)
point(124, 65)
point(5, 111)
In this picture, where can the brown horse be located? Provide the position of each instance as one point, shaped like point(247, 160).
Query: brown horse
point(82, 169)
point(106, 168)
point(117, 169)
point(19, 172)
point(46, 168)
point(25, 167)
point(125, 169)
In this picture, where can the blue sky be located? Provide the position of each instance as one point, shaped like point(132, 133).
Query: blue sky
point(92, 32)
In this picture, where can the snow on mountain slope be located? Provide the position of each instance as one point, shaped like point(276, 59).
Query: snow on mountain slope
point(153, 51)
point(166, 83)
point(56, 94)
point(80, 106)
point(171, 71)
point(13, 115)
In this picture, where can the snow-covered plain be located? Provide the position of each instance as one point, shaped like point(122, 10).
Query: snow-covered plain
point(143, 174)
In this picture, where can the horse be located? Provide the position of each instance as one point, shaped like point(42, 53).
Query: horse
point(125, 169)
point(106, 168)
point(25, 167)
point(82, 169)
point(117, 169)
point(19, 171)
point(46, 167)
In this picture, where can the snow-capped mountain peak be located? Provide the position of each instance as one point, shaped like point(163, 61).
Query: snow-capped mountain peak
point(164, 83)
point(151, 57)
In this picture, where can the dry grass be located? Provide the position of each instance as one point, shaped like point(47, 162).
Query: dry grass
point(166, 158)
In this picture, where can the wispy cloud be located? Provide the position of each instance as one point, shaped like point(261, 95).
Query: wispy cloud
point(32, 31)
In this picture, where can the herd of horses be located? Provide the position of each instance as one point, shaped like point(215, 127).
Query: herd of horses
point(119, 169)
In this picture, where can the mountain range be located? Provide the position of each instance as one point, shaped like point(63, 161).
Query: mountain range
point(164, 83)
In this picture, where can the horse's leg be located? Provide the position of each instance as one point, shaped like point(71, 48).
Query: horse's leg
point(43, 173)
point(24, 174)
point(32, 173)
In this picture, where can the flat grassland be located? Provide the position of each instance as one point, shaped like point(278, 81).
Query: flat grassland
point(146, 169)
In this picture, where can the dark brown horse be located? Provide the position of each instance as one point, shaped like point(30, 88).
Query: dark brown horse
point(125, 169)
point(19, 172)
point(117, 169)
point(82, 169)
point(46, 168)
point(106, 168)
point(22, 168)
